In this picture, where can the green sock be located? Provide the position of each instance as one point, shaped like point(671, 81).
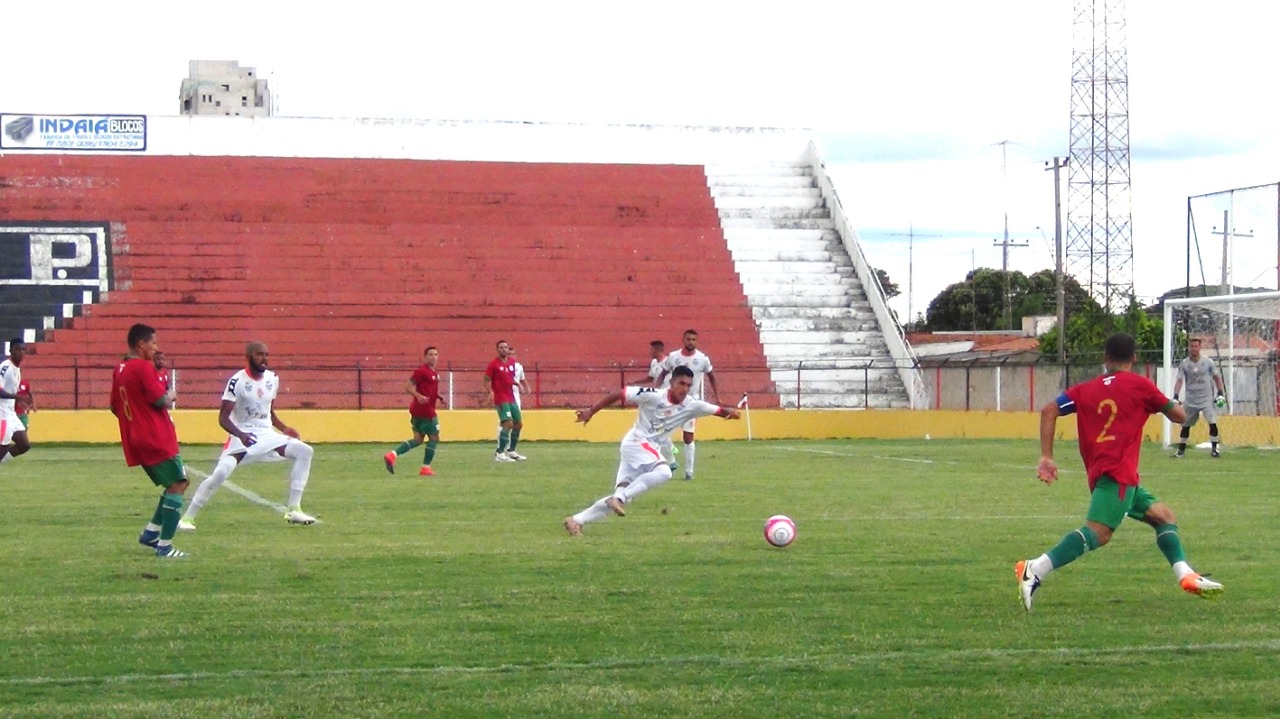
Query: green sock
point(405, 446)
point(515, 437)
point(430, 454)
point(1073, 546)
point(157, 518)
point(171, 511)
point(1170, 543)
point(504, 437)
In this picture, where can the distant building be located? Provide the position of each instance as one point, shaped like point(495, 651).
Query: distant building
point(222, 87)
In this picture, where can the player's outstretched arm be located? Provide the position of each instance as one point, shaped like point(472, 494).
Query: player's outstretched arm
point(1175, 412)
point(585, 415)
point(728, 412)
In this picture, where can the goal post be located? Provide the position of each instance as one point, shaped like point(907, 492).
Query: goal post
point(1241, 334)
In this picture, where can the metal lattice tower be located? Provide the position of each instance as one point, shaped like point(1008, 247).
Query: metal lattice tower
point(1099, 233)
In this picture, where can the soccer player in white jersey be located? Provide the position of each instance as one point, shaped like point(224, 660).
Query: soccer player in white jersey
point(13, 433)
point(256, 435)
point(693, 358)
point(642, 466)
point(657, 353)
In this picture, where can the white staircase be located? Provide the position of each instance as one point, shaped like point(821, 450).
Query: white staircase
point(821, 337)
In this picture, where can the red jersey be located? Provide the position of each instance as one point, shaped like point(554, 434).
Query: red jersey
point(163, 376)
point(427, 382)
point(1111, 412)
point(147, 434)
point(24, 391)
point(502, 377)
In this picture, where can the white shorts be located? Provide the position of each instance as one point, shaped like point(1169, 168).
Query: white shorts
point(263, 450)
point(637, 456)
point(689, 426)
point(9, 425)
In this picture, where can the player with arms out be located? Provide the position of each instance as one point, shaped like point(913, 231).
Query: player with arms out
point(642, 466)
point(13, 428)
point(424, 387)
point(148, 437)
point(1201, 378)
point(693, 358)
point(1111, 412)
point(256, 434)
point(499, 381)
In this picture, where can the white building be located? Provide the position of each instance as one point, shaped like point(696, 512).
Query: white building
point(222, 87)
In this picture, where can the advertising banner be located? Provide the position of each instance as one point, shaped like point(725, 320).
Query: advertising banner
point(112, 133)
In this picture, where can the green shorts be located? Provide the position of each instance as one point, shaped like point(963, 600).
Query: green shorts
point(508, 412)
point(25, 419)
point(1107, 505)
point(170, 471)
point(425, 426)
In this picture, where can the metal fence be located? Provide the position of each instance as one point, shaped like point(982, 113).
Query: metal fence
point(1023, 383)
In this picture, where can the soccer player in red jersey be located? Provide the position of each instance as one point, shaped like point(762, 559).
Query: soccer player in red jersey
point(147, 435)
point(424, 387)
point(162, 373)
point(499, 379)
point(1111, 412)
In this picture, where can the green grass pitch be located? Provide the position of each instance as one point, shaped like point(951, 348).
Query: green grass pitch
point(462, 595)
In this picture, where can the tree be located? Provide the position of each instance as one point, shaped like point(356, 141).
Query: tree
point(978, 303)
point(890, 287)
point(1089, 326)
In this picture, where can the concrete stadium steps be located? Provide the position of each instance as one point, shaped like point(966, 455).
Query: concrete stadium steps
point(338, 261)
point(806, 298)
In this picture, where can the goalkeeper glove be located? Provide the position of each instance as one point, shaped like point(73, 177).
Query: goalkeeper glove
point(1220, 401)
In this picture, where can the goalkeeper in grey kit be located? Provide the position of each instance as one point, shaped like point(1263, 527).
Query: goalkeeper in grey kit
point(1205, 395)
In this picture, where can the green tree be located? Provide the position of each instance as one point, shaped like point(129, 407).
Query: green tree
point(1090, 325)
point(979, 302)
point(890, 287)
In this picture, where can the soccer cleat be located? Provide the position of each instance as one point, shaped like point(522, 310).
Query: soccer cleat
point(515, 456)
point(1201, 586)
point(573, 526)
point(149, 539)
point(1215, 453)
point(295, 515)
point(616, 505)
point(674, 466)
point(688, 476)
point(1178, 455)
point(170, 552)
point(1028, 583)
point(186, 525)
point(389, 459)
point(502, 457)
point(426, 471)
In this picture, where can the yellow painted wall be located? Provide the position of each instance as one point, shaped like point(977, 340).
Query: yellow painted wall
point(201, 426)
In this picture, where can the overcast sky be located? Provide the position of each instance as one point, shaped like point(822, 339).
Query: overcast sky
point(911, 100)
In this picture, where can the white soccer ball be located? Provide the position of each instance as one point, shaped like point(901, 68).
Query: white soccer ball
point(779, 530)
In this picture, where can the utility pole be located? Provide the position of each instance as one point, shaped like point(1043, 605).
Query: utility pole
point(1227, 236)
point(911, 235)
point(1006, 243)
point(1056, 165)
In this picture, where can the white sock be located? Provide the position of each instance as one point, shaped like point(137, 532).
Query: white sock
point(225, 467)
point(300, 452)
point(594, 513)
point(644, 483)
point(1041, 566)
point(688, 457)
point(1182, 569)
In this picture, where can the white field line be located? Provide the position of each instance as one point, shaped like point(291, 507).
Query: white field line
point(914, 460)
point(247, 494)
point(814, 660)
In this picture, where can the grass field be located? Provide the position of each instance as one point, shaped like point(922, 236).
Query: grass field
point(462, 595)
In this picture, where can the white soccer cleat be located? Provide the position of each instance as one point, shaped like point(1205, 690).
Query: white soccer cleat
point(295, 515)
point(1028, 582)
point(515, 456)
point(186, 525)
point(502, 457)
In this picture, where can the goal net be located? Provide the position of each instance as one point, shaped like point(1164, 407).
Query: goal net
point(1241, 334)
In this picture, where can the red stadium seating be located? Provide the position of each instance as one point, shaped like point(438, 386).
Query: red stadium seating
point(347, 268)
